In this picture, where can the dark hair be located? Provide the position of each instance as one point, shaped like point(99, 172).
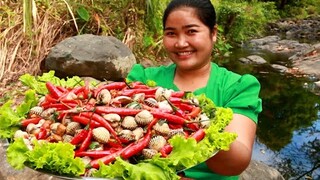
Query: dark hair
point(204, 9)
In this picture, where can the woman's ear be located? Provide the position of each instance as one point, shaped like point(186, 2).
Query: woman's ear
point(214, 33)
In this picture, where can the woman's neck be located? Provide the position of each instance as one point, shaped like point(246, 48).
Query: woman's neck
point(192, 80)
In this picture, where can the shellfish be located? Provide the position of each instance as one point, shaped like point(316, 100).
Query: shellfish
point(112, 117)
point(101, 134)
point(36, 110)
point(129, 122)
point(144, 117)
point(104, 96)
point(174, 132)
point(138, 133)
point(72, 127)
point(157, 143)
point(162, 128)
point(127, 135)
point(149, 153)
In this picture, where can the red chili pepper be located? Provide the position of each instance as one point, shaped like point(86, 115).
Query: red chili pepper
point(152, 123)
point(85, 121)
point(50, 99)
point(169, 117)
point(192, 126)
point(195, 112)
point(79, 137)
point(179, 94)
point(53, 90)
point(60, 106)
point(120, 111)
point(96, 117)
point(137, 147)
point(198, 135)
point(26, 122)
point(111, 86)
point(175, 126)
point(62, 89)
point(131, 92)
point(108, 158)
point(184, 106)
point(86, 142)
point(95, 154)
point(165, 150)
point(42, 133)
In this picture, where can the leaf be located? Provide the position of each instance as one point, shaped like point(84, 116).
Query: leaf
point(83, 13)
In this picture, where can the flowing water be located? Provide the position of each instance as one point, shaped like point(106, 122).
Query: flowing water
point(288, 134)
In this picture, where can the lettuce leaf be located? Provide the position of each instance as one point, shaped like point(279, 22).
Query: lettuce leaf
point(55, 158)
point(16, 154)
point(38, 83)
point(10, 118)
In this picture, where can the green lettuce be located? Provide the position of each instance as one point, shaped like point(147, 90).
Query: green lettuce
point(57, 158)
point(10, 118)
point(38, 83)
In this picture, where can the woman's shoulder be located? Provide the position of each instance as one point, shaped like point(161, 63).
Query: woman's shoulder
point(226, 76)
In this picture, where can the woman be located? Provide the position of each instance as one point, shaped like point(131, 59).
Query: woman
point(190, 33)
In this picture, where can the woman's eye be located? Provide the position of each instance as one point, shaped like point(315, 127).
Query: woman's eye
point(169, 33)
point(192, 31)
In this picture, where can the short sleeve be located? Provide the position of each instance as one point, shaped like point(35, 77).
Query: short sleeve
point(242, 96)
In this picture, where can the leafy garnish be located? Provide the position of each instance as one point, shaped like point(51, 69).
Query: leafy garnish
point(10, 118)
point(16, 154)
point(57, 158)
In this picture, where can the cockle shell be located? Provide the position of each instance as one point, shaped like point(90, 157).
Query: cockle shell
point(157, 143)
point(47, 113)
point(72, 127)
point(67, 138)
point(21, 134)
point(129, 122)
point(30, 128)
point(71, 96)
point(151, 102)
point(138, 133)
point(37, 110)
point(144, 117)
point(104, 96)
point(112, 117)
point(139, 97)
point(41, 100)
point(123, 100)
point(174, 132)
point(163, 93)
point(164, 105)
point(162, 128)
point(134, 105)
point(127, 135)
point(149, 153)
point(101, 134)
point(204, 121)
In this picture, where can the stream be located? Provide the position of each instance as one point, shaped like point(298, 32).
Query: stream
point(288, 134)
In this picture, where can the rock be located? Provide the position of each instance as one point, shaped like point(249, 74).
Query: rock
point(279, 68)
point(253, 59)
point(100, 57)
point(258, 170)
point(274, 45)
point(308, 61)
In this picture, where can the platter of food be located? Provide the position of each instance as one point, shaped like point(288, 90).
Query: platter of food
point(115, 130)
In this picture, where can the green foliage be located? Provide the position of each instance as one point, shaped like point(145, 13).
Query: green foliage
point(301, 9)
point(243, 20)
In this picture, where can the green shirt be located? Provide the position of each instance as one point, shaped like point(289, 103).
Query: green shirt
point(225, 88)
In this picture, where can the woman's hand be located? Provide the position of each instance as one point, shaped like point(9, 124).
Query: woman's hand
point(237, 159)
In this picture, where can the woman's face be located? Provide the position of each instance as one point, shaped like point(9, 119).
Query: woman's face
point(187, 40)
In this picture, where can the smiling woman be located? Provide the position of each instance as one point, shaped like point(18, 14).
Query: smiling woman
point(190, 32)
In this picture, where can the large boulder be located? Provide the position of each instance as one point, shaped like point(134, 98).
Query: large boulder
point(100, 57)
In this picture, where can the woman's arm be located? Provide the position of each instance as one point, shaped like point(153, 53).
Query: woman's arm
point(237, 158)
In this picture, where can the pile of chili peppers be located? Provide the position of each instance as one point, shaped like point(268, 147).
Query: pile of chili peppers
point(87, 107)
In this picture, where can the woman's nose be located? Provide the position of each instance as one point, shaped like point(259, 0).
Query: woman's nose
point(181, 42)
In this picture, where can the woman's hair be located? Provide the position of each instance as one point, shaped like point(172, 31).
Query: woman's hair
point(203, 8)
